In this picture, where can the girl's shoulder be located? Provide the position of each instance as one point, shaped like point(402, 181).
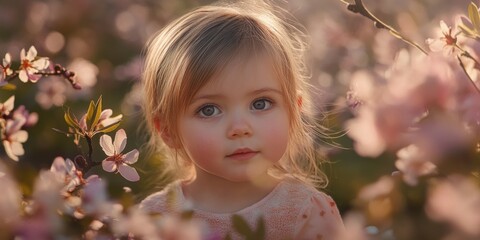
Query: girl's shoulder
point(165, 201)
point(317, 216)
point(299, 190)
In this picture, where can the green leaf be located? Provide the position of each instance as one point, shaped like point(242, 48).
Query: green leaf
point(187, 215)
point(474, 16)
point(241, 226)
point(471, 33)
point(98, 112)
point(68, 118)
point(8, 87)
point(108, 128)
point(90, 111)
point(260, 232)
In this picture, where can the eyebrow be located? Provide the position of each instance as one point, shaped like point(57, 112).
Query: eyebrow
point(256, 92)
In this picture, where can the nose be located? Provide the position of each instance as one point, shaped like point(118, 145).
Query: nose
point(239, 127)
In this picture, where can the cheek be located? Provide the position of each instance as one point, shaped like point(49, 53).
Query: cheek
point(200, 142)
point(275, 136)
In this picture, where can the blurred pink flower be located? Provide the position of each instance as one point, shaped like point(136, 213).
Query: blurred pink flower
point(89, 71)
point(355, 227)
point(5, 69)
point(13, 137)
point(139, 224)
point(456, 200)
point(86, 77)
point(66, 169)
point(363, 129)
point(21, 112)
point(51, 93)
point(47, 201)
point(136, 223)
point(31, 64)
point(7, 106)
point(382, 187)
point(447, 42)
point(10, 200)
point(413, 162)
point(95, 200)
point(116, 160)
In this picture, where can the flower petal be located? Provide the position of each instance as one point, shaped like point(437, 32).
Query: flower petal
point(8, 150)
point(40, 64)
point(70, 167)
point(107, 145)
point(109, 166)
point(58, 165)
point(106, 114)
point(20, 136)
point(22, 75)
point(32, 53)
point(17, 148)
point(110, 121)
point(120, 141)
point(131, 157)
point(7, 60)
point(444, 27)
point(32, 76)
point(22, 54)
point(128, 173)
point(436, 45)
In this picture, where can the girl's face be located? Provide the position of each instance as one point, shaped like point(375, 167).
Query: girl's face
point(237, 125)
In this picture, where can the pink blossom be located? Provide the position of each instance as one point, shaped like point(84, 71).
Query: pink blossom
point(7, 106)
point(137, 223)
point(95, 200)
point(13, 137)
point(105, 120)
point(51, 93)
point(31, 64)
point(5, 69)
point(66, 169)
point(22, 112)
point(382, 187)
point(361, 127)
point(413, 162)
point(140, 225)
point(355, 227)
point(48, 200)
point(116, 160)
point(456, 200)
point(10, 200)
point(447, 42)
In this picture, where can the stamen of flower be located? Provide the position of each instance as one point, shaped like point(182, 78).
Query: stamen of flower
point(26, 64)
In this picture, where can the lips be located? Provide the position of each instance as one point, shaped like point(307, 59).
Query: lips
point(242, 154)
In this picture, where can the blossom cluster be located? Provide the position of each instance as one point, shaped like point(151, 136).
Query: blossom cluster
point(424, 111)
point(68, 190)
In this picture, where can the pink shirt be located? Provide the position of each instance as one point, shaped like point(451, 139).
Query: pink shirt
point(292, 210)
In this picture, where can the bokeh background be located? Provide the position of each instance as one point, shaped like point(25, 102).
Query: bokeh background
point(102, 41)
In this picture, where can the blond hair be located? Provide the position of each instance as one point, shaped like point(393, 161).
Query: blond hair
point(183, 56)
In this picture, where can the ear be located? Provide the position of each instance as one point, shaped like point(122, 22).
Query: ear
point(165, 134)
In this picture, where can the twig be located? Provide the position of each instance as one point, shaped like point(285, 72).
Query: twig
point(58, 71)
point(466, 73)
point(359, 7)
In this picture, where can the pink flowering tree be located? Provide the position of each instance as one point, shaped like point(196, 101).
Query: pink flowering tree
point(422, 110)
point(69, 200)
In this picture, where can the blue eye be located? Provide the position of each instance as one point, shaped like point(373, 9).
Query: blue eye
point(261, 104)
point(208, 111)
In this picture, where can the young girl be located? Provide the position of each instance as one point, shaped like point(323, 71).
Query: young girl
point(227, 98)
